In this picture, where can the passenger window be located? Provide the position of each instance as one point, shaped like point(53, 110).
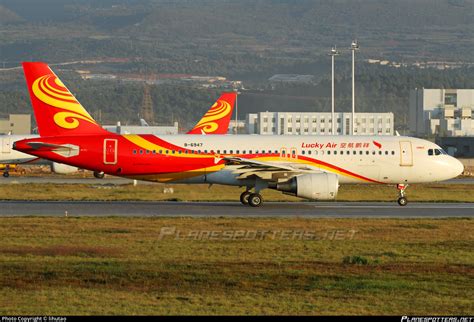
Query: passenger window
point(147, 151)
point(348, 152)
point(329, 151)
point(141, 151)
point(380, 152)
point(335, 152)
point(179, 152)
point(167, 151)
point(386, 152)
point(367, 152)
point(173, 151)
point(430, 152)
point(134, 151)
point(302, 152)
point(393, 152)
point(437, 152)
point(354, 152)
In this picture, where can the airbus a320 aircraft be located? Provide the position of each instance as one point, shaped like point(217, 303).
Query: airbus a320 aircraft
point(215, 121)
point(310, 167)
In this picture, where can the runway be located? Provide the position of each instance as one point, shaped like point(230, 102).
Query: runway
point(234, 209)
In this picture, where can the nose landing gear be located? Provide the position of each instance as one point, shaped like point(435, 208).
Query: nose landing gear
point(402, 200)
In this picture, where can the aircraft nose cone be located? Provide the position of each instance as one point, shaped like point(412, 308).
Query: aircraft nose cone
point(458, 167)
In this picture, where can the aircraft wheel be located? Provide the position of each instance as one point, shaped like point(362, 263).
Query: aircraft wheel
point(244, 197)
point(402, 201)
point(6, 174)
point(99, 175)
point(255, 200)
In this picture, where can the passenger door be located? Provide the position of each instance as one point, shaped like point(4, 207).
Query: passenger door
point(6, 144)
point(110, 151)
point(406, 153)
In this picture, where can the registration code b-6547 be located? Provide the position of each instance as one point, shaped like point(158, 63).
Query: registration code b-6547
point(193, 144)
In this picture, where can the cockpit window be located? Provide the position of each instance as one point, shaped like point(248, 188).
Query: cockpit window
point(436, 152)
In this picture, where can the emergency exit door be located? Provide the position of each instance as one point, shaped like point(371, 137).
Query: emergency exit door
point(110, 151)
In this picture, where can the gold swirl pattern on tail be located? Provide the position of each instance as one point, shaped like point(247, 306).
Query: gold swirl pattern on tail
point(219, 110)
point(50, 90)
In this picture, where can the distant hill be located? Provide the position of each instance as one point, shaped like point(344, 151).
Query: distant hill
point(7, 16)
point(152, 29)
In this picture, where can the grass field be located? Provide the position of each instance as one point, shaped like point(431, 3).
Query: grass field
point(342, 266)
point(425, 192)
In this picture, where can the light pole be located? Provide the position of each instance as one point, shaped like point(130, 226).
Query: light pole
point(236, 129)
point(354, 48)
point(333, 53)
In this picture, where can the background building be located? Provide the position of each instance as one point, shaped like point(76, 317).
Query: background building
point(459, 147)
point(16, 124)
point(312, 123)
point(139, 129)
point(443, 112)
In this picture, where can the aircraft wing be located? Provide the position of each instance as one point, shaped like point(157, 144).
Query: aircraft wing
point(267, 170)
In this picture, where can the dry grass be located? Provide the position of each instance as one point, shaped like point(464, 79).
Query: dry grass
point(428, 192)
point(121, 266)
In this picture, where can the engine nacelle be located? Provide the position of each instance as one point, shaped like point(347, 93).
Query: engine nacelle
point(62, 168)
point(317, 186)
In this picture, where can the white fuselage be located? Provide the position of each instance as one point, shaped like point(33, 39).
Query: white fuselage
point(355, 159)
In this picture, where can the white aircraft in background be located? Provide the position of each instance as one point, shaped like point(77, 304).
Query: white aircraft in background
point(10, 158)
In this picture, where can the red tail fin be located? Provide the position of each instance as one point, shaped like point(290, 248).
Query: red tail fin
point(216, 120)
point(57, 111)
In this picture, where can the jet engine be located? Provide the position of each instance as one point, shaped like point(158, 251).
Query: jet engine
point(316, 186)
point(62, 168)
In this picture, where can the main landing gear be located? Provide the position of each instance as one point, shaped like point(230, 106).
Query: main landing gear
point(402, 200)
point(6, 173)
point(250, 198)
